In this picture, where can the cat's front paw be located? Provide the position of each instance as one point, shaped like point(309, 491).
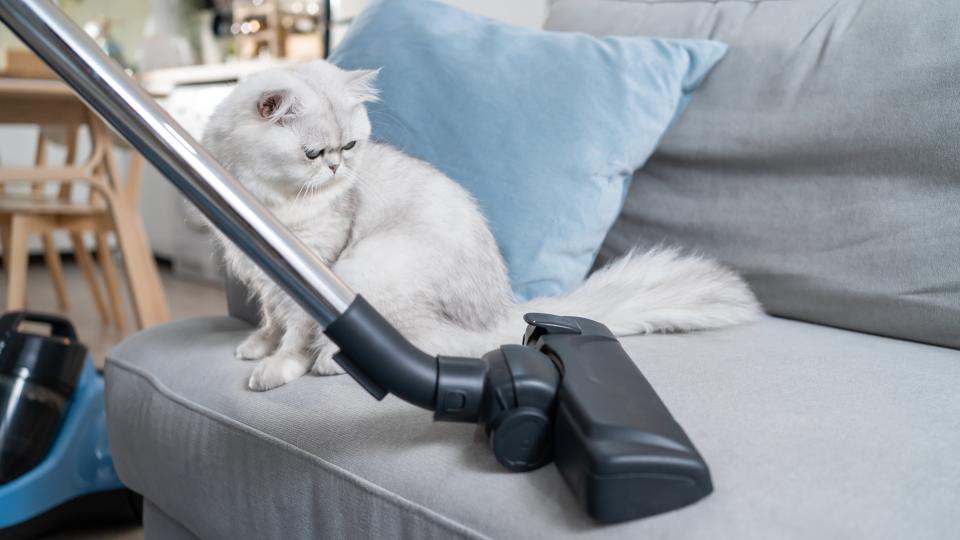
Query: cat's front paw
point(277, 370)
point(255, 347)
point(325, 364)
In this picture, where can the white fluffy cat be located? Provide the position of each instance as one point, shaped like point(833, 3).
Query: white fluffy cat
point(409, 239)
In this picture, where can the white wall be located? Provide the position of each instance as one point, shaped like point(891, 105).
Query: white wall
point(523, 12)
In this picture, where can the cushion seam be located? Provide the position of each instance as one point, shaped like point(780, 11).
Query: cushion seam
point(372, 488)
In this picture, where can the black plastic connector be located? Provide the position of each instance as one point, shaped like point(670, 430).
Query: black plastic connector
point(460, 383)
point(374, 353)
point(519, 398)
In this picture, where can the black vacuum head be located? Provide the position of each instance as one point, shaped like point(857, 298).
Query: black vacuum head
point(573, 395)
point(569, 393)
point(614, 441)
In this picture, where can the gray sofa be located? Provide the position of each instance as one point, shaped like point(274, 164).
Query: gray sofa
point(820, 159)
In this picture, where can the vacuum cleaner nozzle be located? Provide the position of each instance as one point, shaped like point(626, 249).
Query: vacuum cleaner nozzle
point(573, 395)
point(614, 441)
point(569, 394)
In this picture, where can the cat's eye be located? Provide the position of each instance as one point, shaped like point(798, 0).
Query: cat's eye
point(312, 154)
point(349, 145)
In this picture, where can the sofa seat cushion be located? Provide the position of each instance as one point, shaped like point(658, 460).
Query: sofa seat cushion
point(810, 432)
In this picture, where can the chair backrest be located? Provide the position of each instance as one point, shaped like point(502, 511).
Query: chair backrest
point(821, 158)
point(39, 187)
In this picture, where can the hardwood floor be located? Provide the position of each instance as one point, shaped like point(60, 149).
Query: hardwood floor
point(186, 299)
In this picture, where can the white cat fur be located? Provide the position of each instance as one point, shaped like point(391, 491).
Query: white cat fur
point(409, 239)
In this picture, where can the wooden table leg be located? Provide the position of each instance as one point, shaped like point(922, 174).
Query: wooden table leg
point(51, 257)
point(105, 258)
point(16, 254)
point(5, 226)
point(5, 242)
point(85, 262)
point(143, 279)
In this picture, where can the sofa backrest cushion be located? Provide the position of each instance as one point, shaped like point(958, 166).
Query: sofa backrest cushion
point(821, 158)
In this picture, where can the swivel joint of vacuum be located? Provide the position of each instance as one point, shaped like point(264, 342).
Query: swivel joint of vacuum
point(512, 393)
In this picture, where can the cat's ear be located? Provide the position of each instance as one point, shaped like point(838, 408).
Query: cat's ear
point(274, 105)
point(362, 84)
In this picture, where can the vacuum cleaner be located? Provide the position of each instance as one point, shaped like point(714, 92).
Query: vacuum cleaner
point(55, 462)
point(568, 393)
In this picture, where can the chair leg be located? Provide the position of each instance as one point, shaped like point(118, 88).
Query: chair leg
point(143, 279)
point(5, 245)
point(51, 257)
point(90, 274)
point(15, 253)
point(105, 259)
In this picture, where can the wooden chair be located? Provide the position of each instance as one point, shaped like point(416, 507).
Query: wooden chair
point(111, 208)
point(39, 213)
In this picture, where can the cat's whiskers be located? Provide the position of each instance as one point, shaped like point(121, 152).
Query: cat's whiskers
point(296, 198)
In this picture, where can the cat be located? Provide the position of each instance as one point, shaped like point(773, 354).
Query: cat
point(409, 239)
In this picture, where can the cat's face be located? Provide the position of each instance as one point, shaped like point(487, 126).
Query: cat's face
point(285, 133)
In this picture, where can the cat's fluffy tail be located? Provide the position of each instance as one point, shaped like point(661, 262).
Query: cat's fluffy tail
point(659, 290)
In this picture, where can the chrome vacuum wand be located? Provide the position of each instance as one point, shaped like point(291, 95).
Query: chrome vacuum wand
point(569, 393)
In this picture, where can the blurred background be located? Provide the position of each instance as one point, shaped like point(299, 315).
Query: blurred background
point(188, 54)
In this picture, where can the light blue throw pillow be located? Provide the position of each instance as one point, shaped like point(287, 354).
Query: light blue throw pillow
point(545, 129)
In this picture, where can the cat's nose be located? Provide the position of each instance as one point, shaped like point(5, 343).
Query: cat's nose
point(334, 167)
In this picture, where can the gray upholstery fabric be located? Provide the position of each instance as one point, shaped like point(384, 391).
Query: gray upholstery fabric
point(811, 432)
point(820, 158)
point(159, 526)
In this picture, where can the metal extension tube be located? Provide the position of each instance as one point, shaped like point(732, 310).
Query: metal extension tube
point(122, 103)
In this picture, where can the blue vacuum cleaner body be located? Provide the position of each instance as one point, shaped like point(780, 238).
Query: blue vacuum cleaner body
point(55, 461)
